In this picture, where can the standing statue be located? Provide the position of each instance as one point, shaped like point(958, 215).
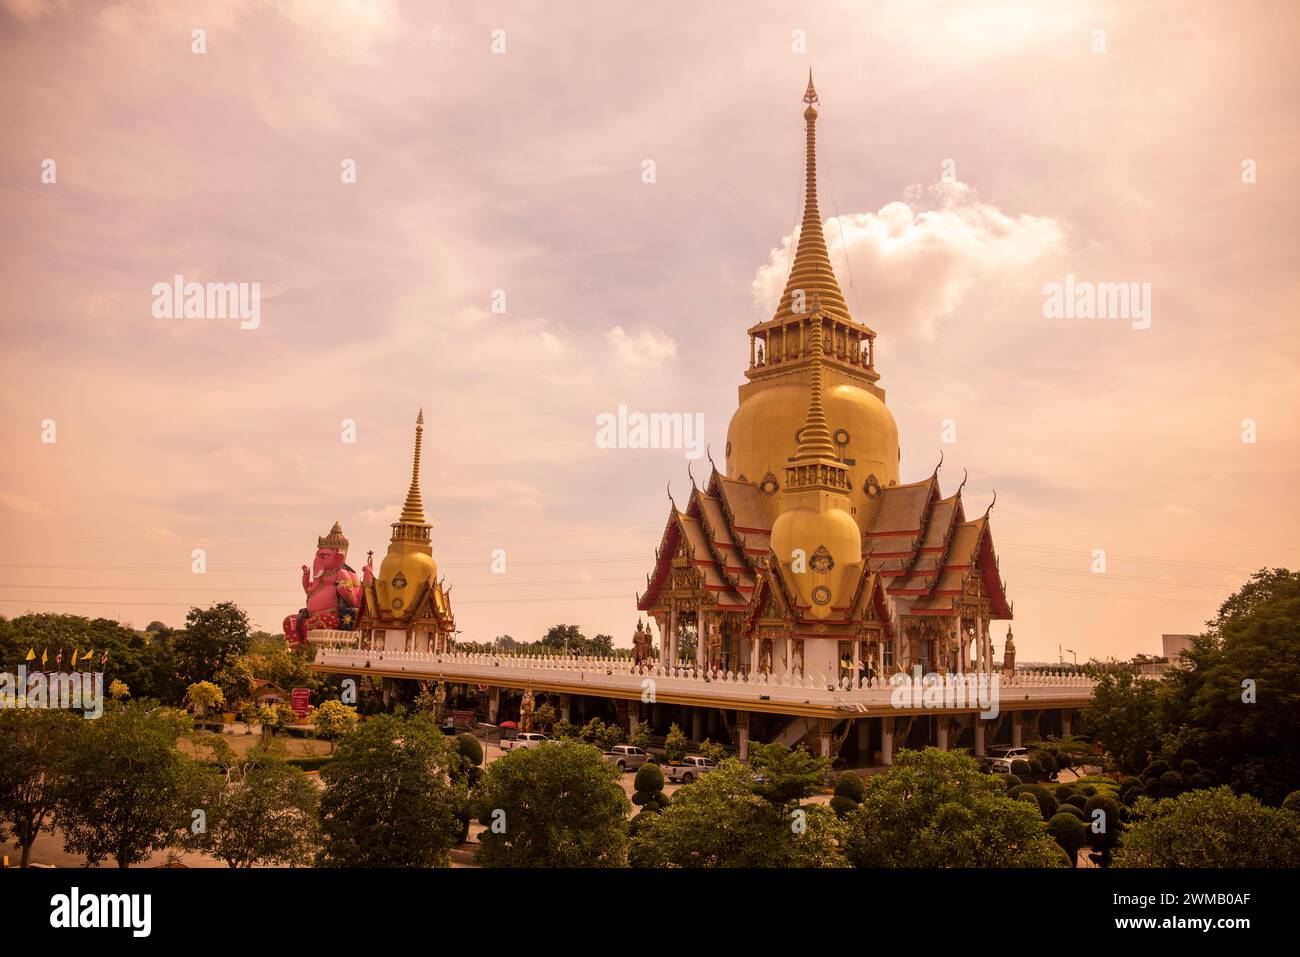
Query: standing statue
point(526, 708)
point(641, 643)
point(714, 647)
point(1009, 654)
point(332, 589)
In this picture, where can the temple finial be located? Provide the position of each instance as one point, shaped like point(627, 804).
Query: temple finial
point(413, 510)
point(810, 95)
point(815, 436)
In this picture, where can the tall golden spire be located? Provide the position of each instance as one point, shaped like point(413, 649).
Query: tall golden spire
point(811, 272)
point(413, 510)
point(815, 436)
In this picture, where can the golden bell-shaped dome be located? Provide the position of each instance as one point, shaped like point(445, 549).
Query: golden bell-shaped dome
point(763, 435)
point(820, 550)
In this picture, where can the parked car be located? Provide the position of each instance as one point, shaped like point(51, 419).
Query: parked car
point(999, 759)
point(525, 739)
point(627, 757)
point(691, 767)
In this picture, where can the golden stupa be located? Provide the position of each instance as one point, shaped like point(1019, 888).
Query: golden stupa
point(764, 430)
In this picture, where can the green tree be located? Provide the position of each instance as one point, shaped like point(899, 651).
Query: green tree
point(937, 809)
point(648, 788)
point(265, 813)
point(558, 805)
point(639, 735)
point(333, 720)
point(391, 798)
point(601, 646)
point(237, 681)
point(203, 695)
point(117, 690)
point(128, 791)
point(1235, 708)
point(32, 750)
point(212, 637)
point(563, 639)
point(1123, 718)
point(675, 744)
point(786, 776)
point(1210, 828)
point(723, 820)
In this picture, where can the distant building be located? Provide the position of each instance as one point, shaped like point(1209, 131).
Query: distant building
point(1171, 649)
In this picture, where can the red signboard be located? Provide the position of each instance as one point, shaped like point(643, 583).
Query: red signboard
point(300, 701)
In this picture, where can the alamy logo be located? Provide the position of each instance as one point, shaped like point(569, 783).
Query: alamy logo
point(980, 691)
point(69, 690)
point(656, 430)
point(1098, 300)
point(179, 299)
point(134, 911)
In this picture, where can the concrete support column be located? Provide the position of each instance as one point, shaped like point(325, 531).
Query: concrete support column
point(981, 643)
point(697, 724)
point(1016, 730)
point(864, 735)
point(566, 708)
point(941, 732)
point(980, 749)
point(825, 728)
point(742, 735)
point(887, 742)
point(753, 656)
point(1065, 723)
point(494, 705)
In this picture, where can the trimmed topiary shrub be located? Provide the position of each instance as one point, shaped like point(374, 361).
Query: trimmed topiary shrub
point(1073, 809)
point(843, 806)
point(1012, 781)
point(648, 788)
point(1070, 833)
point(1078, 800)
point(850, 786)
point(1197, 782)
point(1292, 802)
point(1155, 769)
point(1021, 769)
point(1063, 792)
point(1046, 803)
point(1171, 784)
point(470, 748)
point(1188, 767)
point(1036, 769)
point(1152, 789)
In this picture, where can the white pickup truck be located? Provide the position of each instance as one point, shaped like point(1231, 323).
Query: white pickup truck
point(626, 757)
point(527, 739)
point(692, 766)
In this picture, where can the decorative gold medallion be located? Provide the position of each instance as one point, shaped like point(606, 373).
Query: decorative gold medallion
point(399, 580)
point(821, 595)
point(822, 560)
point(769, 485)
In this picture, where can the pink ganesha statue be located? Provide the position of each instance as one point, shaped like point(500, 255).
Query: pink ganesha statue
point(332, 588)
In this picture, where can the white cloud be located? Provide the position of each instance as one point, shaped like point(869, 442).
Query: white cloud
point(649, 347)
point(913, 260)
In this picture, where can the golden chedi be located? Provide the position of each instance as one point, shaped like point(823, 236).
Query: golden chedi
point(815, 538)
point(409, 567)
point(764, 432)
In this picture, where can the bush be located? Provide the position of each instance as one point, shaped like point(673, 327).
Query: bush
point(1171, 784)
point(565, 729)
point(1048, 762)
point(1070, 833)
point(1063, 792)
point(649, 777)
point(1021, 769)
point(470, 748)
point(1073, 810)
point(1155, 769)
point(1036, 769)
point(850, 786)
point(1292, 802)
point(1046, 803)
point(1013, 781)
point(1077, 800)
point(1198, 782)
point(310, 763)
point(1189, 767)
point(1152, 790)
point(843, 806)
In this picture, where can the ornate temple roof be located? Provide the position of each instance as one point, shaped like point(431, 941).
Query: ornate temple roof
point(920, 550)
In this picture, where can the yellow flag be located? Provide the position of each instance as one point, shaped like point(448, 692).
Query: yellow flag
point(73, 662)
point(45, 656)
point(31, 654)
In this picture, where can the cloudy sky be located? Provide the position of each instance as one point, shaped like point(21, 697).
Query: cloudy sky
point(970, 155)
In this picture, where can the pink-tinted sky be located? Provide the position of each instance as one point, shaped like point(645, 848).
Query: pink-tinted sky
point(522, 171)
